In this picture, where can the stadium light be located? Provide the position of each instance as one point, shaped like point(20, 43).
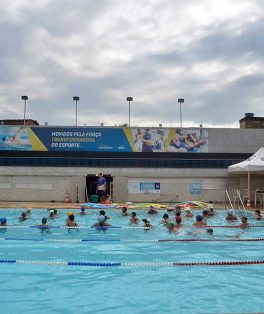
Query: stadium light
point(129, 99)
point(180, 100)
point(76, 99)
point(25, 98)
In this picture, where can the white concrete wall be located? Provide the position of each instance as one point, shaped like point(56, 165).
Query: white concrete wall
point(46, 184)
point(50, 183)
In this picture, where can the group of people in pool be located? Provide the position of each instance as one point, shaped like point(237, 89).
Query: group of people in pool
point(172, 224)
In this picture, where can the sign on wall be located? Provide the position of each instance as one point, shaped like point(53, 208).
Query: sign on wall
point(146, 187)
point(195, 188)
point(103, 139)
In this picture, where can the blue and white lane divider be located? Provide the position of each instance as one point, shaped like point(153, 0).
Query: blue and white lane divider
point(130, 264)
point(133, 240)
point(121, 227)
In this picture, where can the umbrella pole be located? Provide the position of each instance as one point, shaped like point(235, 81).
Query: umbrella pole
point(248, 191)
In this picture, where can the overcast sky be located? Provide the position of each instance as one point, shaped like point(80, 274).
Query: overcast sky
point(211, 53)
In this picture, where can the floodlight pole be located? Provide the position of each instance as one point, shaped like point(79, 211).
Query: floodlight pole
point(76, 99)
point(129, 99)
point(180, 100)
point(25, 98)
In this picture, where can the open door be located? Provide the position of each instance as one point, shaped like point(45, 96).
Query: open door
point(91, 183)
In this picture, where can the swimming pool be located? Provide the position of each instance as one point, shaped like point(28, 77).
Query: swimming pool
point(129, 270)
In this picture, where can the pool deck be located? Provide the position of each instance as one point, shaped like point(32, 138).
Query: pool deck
point(63, 205)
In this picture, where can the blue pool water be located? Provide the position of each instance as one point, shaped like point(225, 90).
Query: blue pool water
point(148, 287)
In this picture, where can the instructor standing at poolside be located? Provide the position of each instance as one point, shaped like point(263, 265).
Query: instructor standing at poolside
point(101, 187)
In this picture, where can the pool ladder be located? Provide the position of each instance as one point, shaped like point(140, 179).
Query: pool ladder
point(239, 198)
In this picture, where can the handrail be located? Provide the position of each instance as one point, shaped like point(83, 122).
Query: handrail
point(230, 202)
point(241, 201)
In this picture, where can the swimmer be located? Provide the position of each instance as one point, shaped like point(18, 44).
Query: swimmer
point(210, 232)
point(71, 223)
point(3, 221)
point(230, 217)
point(124, 211)
point(199, 222)
point(174, 228)
point(147, 223)
point(82, 212)
point(152, 210)
point(55, 213)
point(101, 222)
point(16, 139)
point(23, 216)
point(102, 212)
point(51, 214)
point(67, 219)
point(258, 214)
point(211, 212)
point(43, 223)
point(28, 211)
point(165, 219)
point(178, 211)
point(205, 214)
point(244, 223)
point(188, 213)
point(44, 226)
point(134, 219)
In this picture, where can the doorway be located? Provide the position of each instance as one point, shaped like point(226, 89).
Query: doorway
point(91, 184)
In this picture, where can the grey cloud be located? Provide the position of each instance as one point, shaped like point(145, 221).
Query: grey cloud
point(39, 57)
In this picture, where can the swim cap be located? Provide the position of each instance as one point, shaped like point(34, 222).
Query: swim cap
point(69, 214)
point(101, 218)
point(146, 220)
point(51, 211)
point(3, 221)
point(199, 218)
point(82, 209)
point(210, 231)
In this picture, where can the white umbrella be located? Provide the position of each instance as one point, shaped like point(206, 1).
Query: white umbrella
point(255, 163)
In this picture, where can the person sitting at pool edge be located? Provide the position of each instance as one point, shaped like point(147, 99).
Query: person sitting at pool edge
point(134, 219)
point(244, 223)
point(152, 210)
point(147, 223)
point(199, 222)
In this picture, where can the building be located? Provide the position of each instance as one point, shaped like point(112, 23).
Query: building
point(39, 163)
point(18, 122)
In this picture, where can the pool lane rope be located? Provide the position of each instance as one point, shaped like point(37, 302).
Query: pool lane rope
point(132, 240)
point(121, 227)
point(129, 264)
